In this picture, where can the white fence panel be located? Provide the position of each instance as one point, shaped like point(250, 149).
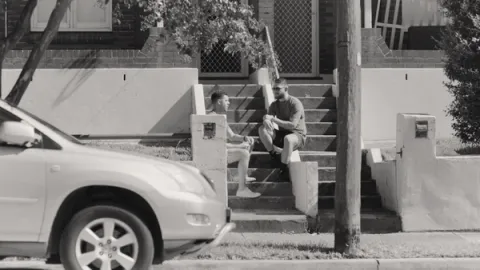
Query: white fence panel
point(413, 13)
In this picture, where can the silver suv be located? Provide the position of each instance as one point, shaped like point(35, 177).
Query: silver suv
point(95, 209)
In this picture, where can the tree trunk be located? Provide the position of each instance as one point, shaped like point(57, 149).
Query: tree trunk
point(38, 51)
point(2, 58)
point(11, 40)
point(1, 75)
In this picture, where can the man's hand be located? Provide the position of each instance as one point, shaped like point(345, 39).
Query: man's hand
point(245, 146)
point(269, 125)
point(250, 140)
point(267, 117)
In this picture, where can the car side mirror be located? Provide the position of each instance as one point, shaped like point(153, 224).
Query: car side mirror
point(17, 133)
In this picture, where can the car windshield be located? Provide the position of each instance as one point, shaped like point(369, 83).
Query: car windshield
point(64, 135)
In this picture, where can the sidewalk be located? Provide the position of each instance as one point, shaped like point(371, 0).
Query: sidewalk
point(436, 251)
point(365, 264)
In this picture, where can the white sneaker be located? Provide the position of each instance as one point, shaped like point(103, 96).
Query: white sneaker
point(247, 193)
point(249, 179)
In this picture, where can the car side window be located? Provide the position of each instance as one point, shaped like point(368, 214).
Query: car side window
point(7, 116)
point(46, 142)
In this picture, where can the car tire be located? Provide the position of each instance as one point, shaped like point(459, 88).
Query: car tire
point(74, 250)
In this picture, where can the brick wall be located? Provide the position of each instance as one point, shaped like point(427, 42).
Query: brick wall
point(124, 47)
point(156, 53)
point(123, 36)
point(376, 54)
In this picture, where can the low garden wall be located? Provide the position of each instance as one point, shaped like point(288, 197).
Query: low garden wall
point(110, 101)
point(429, 193)
point(389, 91)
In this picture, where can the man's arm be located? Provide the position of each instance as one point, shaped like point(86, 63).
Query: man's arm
point(271, 113)
point(294, 118)
point(234, 137)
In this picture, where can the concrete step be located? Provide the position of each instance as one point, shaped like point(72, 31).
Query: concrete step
point(251, 129)
point(268, 221)
point(261, 174)
point(310, 103)
point(250, 90)
point(372, 221)
point(318, 115)
point(249, 116)
point(234, 90)
point(263, 159)
point(293, 221)
point(368, 188)
point(243, 103)
point(253, 103)
point(313, 143)
point(263, 202)
point(281, 189)
point(367, 202)
point(325, 174)
point(267, 189)
point(310, 90)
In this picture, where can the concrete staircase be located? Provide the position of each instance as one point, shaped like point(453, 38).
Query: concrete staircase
point(275, 210)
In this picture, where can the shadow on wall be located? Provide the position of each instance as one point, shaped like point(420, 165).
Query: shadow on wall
point(174, 120)
point(121, 101)
point(85, 68)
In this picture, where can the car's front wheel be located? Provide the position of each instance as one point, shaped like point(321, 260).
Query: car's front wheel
point(106, 238)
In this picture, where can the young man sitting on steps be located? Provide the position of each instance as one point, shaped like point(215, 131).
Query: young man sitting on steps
point(238, 147)
point(288, 114)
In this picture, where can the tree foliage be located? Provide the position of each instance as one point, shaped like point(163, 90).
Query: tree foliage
point(461, 43)
point(197, 26)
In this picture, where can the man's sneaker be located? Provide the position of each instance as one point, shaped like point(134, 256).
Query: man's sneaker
point(247, 193)
point(284, 171)
point(275, 159)
point(249, 179)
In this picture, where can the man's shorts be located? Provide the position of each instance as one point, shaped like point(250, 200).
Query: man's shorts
point(279, 139)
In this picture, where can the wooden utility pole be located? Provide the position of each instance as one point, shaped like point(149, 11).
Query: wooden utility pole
point(347, 188)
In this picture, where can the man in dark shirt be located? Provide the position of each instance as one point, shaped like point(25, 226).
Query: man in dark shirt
point(288, 114)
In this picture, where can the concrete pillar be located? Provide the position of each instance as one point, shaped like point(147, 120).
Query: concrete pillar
point(415, 164)
point(368, 13)
point(260, 77)
point(198, 99)
point(209, 149)
point(304, 176)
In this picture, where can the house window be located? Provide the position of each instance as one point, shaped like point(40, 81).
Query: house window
point(81, 16)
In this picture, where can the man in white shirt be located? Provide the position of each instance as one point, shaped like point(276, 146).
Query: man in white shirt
point(238, 147)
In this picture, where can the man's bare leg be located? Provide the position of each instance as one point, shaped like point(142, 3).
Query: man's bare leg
point(266, 134)
point(290, 142)
point(243, 158)
point(249, 148)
